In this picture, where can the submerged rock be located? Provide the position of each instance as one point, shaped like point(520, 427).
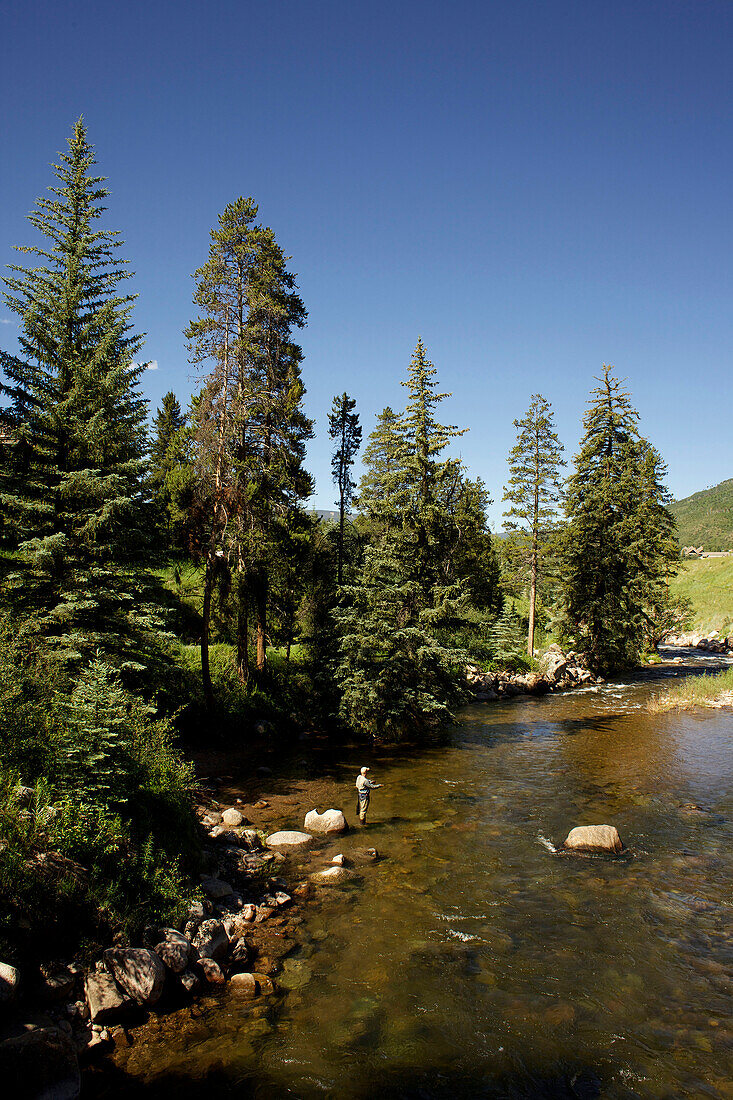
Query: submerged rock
point(594, 838)
point(331, 876)
point(244, 985)
point(330, 821)
point(289, 838)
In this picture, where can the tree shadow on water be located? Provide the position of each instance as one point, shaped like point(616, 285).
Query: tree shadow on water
point(561, 1082)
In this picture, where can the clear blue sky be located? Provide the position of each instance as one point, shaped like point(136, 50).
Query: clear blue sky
point(535, 187)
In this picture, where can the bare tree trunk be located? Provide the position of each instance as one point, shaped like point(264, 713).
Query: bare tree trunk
point(242, 637)
point(205, 668)
point(341, 541)
point(532, 598)
point(261, 623)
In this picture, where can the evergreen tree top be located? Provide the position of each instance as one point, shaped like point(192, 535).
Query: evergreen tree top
point(419, 420)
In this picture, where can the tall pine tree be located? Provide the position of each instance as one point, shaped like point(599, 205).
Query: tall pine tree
point(533, 491)
point(249, 430)
point(619, 548)
point(74, 488)
point(344, 427)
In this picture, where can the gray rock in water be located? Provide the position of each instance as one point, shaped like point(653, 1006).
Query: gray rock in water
point(241, 954)
point(244, 985)
point(554, 664)
point(330, 876)
point(138, 971)
point(211, 971)
point(364, 855)
point(330, 821)
point(289, 839)
point(40, 1065)
point(594, 838)
point(9, 980)
point(108, 1004)
point(211, 940)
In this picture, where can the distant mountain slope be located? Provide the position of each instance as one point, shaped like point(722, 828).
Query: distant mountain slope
point(706, 518)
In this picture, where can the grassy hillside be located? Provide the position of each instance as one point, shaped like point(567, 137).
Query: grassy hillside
point(708, 582)
point(706, 518)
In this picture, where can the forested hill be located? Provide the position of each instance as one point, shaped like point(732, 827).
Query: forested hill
point(706, 518)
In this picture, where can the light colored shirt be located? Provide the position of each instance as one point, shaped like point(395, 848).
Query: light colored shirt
point(364, 786)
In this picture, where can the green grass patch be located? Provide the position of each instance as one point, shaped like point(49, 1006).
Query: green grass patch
point(696, 691)
point(708, 583)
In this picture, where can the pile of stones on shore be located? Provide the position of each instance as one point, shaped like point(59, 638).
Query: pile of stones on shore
point(557, 671)
point(706, 643)
point(80, 1011)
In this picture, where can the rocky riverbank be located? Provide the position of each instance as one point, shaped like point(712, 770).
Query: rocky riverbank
point(557, 671)
point(706, 643)
point(233, 941)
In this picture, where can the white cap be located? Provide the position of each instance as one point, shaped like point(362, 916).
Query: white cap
point(364, 771)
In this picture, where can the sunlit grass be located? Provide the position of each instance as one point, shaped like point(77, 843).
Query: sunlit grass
point(708, 582)
point(696, 691)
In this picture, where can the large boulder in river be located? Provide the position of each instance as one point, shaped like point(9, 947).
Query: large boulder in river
point(594, 838)
point(288, 839)
point(330, 821)
point(553, 664)
point(138, 971)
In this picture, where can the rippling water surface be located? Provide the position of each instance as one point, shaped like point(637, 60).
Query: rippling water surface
point(474, 962)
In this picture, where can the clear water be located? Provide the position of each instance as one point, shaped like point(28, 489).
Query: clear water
point(474, 961)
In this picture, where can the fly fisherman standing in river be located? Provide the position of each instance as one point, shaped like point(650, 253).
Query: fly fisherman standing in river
point(363, 787)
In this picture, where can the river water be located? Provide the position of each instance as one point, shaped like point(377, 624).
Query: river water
point(473, 960)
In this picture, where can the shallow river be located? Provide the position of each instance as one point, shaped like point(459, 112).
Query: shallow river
point(472, 961)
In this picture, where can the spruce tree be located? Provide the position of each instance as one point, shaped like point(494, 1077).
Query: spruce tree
point(168, 422)
point(619, 548)
point(429, 478)
point(95, 741)
point(428, 529)
point(382, 495)
point(168, 455)
point(74, 490)
point(395, 676)
point(343, 426)
point(533, 491)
